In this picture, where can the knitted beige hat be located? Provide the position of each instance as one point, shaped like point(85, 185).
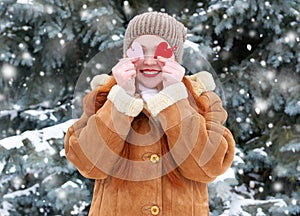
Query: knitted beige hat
point(160, 24)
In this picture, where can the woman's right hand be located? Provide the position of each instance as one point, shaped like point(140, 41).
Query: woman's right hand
point(124, 72)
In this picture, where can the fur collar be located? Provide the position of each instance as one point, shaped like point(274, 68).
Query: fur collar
point(202, 81)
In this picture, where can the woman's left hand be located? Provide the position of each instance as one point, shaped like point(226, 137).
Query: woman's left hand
point(172, 71)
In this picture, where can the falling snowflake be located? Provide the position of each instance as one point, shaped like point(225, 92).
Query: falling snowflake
point(8, 71)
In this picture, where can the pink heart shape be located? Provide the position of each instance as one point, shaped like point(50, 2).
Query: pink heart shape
point(135, 50)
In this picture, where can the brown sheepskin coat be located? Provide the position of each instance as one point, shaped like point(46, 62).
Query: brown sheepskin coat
point(154, 157)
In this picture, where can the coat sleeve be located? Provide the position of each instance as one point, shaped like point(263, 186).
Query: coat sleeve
point(198, 141)
point(95, 142)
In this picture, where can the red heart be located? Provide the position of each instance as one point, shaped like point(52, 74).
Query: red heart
point(163, 50)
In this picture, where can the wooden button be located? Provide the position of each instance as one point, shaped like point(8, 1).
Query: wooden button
point(154, 210)
point(154, 158)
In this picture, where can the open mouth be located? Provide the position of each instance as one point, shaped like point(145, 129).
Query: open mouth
point(149, 73)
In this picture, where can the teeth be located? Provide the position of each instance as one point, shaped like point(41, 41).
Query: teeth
point(150, 72)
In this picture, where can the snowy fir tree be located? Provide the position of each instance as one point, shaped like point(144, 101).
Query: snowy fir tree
point(51, 49)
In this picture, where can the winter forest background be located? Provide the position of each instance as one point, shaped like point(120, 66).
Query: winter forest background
point(51, 49)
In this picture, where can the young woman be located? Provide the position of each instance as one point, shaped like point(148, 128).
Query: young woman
point(151, 137)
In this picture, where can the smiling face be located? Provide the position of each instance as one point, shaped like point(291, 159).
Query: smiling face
point(149, 69)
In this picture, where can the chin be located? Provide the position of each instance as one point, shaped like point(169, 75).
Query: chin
point(150, 82)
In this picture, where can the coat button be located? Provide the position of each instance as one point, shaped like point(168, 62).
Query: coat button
point(154, 158)
point(154, 210)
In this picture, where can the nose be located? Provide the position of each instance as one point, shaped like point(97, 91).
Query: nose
point(149, 60)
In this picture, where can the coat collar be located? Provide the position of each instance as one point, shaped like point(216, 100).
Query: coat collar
point(200, 82)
